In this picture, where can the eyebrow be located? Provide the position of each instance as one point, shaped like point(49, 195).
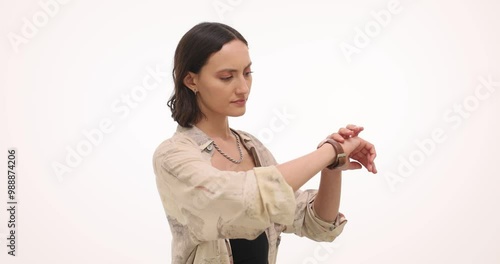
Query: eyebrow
point(234, 70)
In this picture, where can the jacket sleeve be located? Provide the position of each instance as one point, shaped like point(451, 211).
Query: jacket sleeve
point(217, 204)
point(307, 223)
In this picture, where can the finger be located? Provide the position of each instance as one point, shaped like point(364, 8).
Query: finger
point(356, 133)
point(368, 149)
point(373, 153)
point(345, 132)
point(351, 126)
point(355, 129)
point(354, 166)
point(337, 137)
point(362, 160)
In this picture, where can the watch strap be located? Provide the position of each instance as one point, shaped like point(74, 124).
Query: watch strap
point(341, 157)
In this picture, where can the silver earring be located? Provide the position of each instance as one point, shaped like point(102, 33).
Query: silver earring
point(195, 92)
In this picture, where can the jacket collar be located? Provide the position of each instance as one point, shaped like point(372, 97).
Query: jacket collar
point(204, 142)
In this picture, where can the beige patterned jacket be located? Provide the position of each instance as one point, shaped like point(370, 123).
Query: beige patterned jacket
point(205, 207)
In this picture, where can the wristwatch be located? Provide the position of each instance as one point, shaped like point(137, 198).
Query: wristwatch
point(341, 157)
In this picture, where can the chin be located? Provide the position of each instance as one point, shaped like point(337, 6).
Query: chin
point(237, 113)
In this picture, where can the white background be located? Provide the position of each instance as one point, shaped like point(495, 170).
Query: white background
point(401, 86)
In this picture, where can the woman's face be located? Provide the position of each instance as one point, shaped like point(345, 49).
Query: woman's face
point(224, 82)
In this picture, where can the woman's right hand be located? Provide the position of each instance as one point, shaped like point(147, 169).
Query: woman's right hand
point(362, 152)
point(356, 148)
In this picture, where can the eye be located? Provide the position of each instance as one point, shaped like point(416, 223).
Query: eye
point(226, 78)
point(248, 74)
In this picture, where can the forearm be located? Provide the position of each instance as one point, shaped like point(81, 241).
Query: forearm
point(298, 171)
point(327, 201)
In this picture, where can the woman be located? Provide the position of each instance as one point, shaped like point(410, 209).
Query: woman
point(225, 197)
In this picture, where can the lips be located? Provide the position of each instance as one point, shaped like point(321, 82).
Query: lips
point(239, 101)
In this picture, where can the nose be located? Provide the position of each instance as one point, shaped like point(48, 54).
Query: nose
point(243, 85)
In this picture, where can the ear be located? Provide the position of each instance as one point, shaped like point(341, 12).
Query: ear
point(190, 81)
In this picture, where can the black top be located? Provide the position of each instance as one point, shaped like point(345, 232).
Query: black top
point(250, 251)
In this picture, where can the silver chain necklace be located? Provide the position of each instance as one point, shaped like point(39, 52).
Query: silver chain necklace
point(239, 150)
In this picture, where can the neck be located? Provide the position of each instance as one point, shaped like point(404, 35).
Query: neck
point(215, 127)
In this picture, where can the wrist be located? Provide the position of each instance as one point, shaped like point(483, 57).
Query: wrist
point(327, 154)
point(329, 173)
point(339, 158)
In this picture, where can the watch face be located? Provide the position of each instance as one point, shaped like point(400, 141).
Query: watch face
point(342, 159)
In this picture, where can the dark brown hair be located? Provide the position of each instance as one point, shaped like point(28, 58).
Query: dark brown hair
point(191, 54)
